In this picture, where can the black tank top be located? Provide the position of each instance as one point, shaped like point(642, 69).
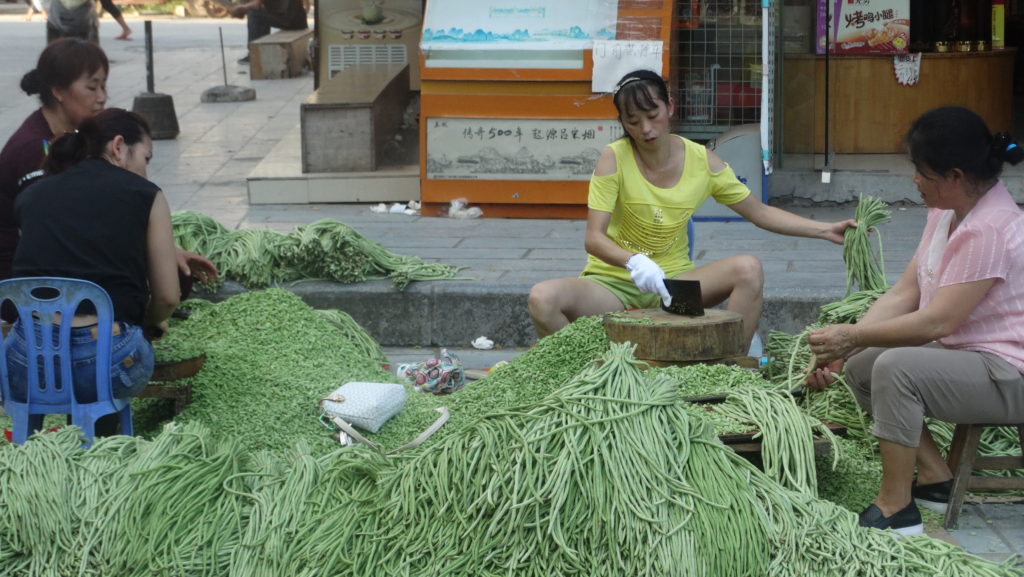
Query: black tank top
point(89, 222)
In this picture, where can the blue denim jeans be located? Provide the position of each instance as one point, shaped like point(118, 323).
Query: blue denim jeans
point(130, 369)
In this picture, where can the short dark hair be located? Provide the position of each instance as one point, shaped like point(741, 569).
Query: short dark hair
point(640, 89)
point(61, 63)
point(953, 137)
point(91, 138)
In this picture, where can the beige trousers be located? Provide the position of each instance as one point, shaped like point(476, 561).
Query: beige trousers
point(899, 387)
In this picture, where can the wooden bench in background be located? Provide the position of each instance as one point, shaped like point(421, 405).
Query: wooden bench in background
point(359, 105)
point(282, 54)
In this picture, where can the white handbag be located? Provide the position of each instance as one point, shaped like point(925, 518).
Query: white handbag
point(365, 405)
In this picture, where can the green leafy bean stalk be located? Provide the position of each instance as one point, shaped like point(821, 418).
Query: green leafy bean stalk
point(837, 404)
point(201, 234)
point(865, 268)
point(752, 403)
point(334, 504)
point(256, 258)
point(324, 250)
point(280, 493)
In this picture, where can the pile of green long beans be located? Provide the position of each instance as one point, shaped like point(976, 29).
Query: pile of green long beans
point(324, 250)
point(270, 358)
point(351, 330)
point(787, 435)
point(530, 376)
point(865, 268)
point(607, 475)
point(853, 481)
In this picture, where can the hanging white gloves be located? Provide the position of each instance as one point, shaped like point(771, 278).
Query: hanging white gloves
point(648, 276)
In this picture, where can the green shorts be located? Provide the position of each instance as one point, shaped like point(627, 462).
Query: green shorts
point(625, 291)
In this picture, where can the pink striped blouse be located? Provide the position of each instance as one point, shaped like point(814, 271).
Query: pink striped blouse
point(987, 244)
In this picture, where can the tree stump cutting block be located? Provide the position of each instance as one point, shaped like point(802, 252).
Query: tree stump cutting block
point(663, 336)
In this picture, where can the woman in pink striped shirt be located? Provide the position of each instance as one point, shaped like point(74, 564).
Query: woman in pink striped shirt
point(947, 340)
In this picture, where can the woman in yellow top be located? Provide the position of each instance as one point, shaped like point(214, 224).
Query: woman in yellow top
point(644, 190)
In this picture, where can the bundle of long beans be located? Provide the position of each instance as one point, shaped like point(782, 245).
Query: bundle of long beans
point(849, 310)
point(865, 268)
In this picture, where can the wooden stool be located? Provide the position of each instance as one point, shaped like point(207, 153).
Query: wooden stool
point(964, 459)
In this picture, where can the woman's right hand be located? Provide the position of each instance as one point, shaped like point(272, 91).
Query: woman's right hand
point(648, 276)
point(819, 377)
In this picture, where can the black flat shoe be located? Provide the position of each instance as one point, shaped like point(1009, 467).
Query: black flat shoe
point(906, 521)
point(934, 496)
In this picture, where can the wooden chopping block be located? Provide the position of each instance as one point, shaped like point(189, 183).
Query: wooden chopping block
point(663, 336)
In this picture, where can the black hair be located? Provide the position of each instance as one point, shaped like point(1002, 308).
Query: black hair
point(640, 89)
point(61, 63)
point(954, 137)
point(91, 138)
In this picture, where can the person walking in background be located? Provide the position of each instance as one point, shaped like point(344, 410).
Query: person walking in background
point(262, 15)
point(35, 7)
point(947, 340)
point(72, 19)
point(114, 11)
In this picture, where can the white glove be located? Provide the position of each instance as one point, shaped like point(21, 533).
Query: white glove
point(648, 276)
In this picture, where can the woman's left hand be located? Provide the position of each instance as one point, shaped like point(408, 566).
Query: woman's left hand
point(836, 231)
point(832, 343)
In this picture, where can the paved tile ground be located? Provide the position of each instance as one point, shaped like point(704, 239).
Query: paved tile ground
point(205, 167)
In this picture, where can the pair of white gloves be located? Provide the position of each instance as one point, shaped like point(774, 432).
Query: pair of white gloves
point(648, 277)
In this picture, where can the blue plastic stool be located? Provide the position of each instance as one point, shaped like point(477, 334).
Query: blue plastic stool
point(50, 303)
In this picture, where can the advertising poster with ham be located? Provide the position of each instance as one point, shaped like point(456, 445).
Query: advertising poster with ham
point(863, 26)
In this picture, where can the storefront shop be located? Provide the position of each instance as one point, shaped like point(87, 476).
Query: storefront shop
point(854, 90)
point(512, 113)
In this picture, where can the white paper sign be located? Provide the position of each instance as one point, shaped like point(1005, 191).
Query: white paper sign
point(907, 68)
point(613, 59)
